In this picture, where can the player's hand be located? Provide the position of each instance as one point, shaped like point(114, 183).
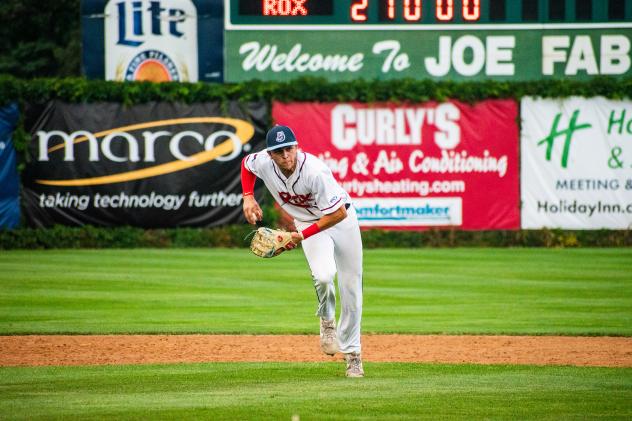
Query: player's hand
point(297, 237)
point(252, 210)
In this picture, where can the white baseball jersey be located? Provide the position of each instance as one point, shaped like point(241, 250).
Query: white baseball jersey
point(308, 194)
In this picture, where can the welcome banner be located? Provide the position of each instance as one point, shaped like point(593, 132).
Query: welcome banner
point(576, 163)
point(414, 166)
point(151, 165)
point(521, 52)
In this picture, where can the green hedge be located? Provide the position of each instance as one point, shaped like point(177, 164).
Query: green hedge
point(235, 236)
point(77, 90)
point(303, 89)
point(122, 237)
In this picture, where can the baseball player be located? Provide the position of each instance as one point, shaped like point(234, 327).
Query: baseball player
point(327, 228)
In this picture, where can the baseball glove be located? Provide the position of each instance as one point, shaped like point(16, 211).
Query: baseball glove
point(268, 242)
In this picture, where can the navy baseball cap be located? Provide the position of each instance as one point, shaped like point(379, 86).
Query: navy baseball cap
point(280, 137)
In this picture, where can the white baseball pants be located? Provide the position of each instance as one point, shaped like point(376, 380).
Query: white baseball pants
point(338, 250)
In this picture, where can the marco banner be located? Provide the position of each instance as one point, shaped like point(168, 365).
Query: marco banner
point(414, 166)
point(576, 163)
point(152, 165)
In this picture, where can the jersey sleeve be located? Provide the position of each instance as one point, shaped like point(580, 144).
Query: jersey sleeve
point(328, 193)
point(253, 163)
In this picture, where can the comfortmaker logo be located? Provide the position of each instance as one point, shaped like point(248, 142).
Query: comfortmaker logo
point(409, 211)
point(142, 141)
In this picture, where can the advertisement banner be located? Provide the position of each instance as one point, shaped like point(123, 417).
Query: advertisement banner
point(151, 165)
point(413, 166)
point(440, 54)
point(9, 181)
point(157, 40)
point(576, 163)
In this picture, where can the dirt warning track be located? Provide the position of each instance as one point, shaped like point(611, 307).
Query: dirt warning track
point(40, 350)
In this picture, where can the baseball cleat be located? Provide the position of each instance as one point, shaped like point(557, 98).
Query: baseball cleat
point(354, 365)
point(328, 339)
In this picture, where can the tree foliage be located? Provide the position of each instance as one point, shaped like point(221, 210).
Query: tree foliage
point(40, 38)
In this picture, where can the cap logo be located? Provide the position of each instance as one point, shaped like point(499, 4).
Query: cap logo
point(280, 137)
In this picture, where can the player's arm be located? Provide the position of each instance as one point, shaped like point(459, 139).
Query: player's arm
point(326, 221)
point(252, 210)
point(329, 196)
point(331, 219)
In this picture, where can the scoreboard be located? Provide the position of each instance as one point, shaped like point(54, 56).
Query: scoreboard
point(427, 12)
point(360, 11)
point(427, 39)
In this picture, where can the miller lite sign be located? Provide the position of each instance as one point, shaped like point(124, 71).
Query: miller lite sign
point(151, 40)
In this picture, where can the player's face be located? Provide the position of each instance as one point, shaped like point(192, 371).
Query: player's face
point(285, 158)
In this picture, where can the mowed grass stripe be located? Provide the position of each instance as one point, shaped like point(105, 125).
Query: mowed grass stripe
point(315, 391)
point(419, 291)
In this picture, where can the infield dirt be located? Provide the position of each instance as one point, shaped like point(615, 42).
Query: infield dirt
point(39, 350)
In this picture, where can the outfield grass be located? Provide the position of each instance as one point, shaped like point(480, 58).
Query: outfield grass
point(315, 391)
point(492, 291)
point(488, 291)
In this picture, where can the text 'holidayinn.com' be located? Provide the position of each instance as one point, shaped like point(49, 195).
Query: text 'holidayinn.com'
point(575, 207)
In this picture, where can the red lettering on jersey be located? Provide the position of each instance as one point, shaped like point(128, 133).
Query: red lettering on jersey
point(300, 200)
